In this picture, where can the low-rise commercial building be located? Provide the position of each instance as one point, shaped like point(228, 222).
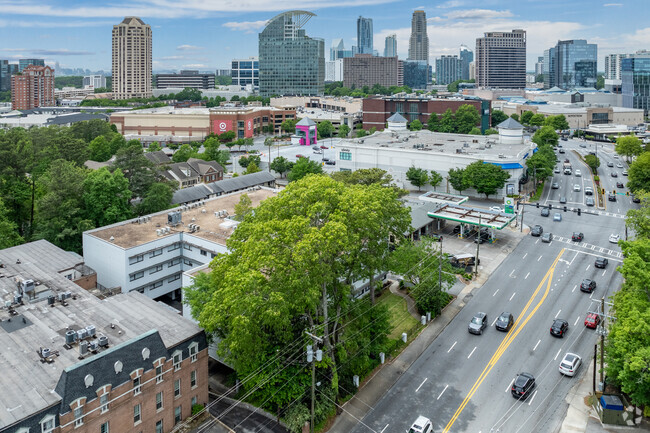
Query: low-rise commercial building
point(73, 362)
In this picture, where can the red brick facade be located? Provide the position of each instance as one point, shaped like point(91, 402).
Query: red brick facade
point(33, 88)
point(247, 123)
point(377, 110)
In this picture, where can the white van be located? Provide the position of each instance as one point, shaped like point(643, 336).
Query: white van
point(421, 425)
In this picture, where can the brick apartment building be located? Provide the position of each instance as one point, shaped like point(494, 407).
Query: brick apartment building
point(246, 121)
point(33, 88)
point(377, 110)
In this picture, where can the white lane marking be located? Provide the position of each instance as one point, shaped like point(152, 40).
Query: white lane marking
point(601, 250)
point(524, 256)
point(558, 313)
point(604, 272)
point(532, 398)
point(536, 241)
point(446, 386)
point(511, 273)
point(471, 353)
point(574, 288)
point(592, 294)
point(540, 258)
point(510, 385)
point(418, 388)
point(537, 344)
point(382, 430)
point(588, 266)
point(494, 321)
point(452, 346)
point(558, 354)
point(495, 293)
point(526, 277)
point(550, 243)
point(513, 295)
point(577, 319)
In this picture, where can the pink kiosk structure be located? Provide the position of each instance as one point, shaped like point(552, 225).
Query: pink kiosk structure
point(306, 132)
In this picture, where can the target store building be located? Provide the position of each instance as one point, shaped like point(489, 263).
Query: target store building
point(248, 122)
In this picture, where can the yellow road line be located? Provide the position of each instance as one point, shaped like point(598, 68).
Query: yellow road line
point(514, 331)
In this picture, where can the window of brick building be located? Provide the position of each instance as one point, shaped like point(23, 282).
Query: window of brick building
point(177, 388)
point(159, 401)
point(177, 415)
point(137, 414)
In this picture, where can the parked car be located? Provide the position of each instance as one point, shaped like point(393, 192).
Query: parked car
point(545, 212)
point(619, 165)
point(588, 285)
point(601, 262)
point(590, 201)
point(496, 209)
point(299, 155)
point(330, 162)
point(577, 236)
point(589, 190)
point(559, 328)
point(324, 147)
point(583, 145)
point(636, 199)
point(547, 237)
point(592, 320)
point(315, 148)
point(557, 216)
point(421, 425)
point(570, 364)
point(523, 385)
point(614, 238)
point(504, 322)
point(563, 139)
point(556, 170)
point(555, 185)
point(318, 151)
point(478, 323)
point(536, 230)
point(561, 151)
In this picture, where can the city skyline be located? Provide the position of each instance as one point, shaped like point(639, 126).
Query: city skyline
point(208, 35)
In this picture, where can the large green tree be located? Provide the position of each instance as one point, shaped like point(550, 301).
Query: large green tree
point(537, 119)
point(100, 149)
point(447, 122)
point(498, 116)
point(91, 129)
point(184, 153)
point(289, 125)
point(344, 130)
point(593, 162)
point(638, 220)
point(107, 197)
point(417, 176)
point(526, 116)
point(546, 135)
point(433, 124)
point(415, 125)
point(325, 128)
point(559, 122)
point(9, 236)
point(213, 153)
point(245, 161)
point(435, 179)
point(629, 146)
point(158, 197)
point(542, 163)
point(302, 168)
point(138, 170)
point(281, 165)
point(467, 117)
point(639, 174)
point(486, 179)
point(458, 180)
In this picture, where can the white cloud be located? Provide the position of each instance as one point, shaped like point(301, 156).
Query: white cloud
point(186, 47)
point(450, 4)
point(612, 4)
point(246, 26)
point(41, 24)
point(197, 66)
point(478, 14)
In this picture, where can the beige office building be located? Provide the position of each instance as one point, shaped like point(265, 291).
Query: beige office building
point(368, 70)
point(131, 59)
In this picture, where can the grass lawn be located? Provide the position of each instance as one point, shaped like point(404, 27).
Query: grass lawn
point(400, 319)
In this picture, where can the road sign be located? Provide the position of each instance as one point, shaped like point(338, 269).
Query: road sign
point(509, 205)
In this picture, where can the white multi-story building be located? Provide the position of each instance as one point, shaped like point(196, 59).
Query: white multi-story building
point(94, 81)
point(149, 254)
point(613, 66)
point(334, 70)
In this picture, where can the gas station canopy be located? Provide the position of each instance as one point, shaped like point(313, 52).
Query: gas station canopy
point(472, 216)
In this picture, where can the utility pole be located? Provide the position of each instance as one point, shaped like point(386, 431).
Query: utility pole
point(521, 228)
point(478, 244)
point(440, 265)
point(602, 344)
point(310, 359)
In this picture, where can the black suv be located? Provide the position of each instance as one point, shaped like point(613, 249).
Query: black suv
point(577, 236)
point(601, 262)
point(545, 212)
point(611, 197)
point(504, 322)
point(587, 285)
point(537, 230)
point(523, 385)
point(559, 327)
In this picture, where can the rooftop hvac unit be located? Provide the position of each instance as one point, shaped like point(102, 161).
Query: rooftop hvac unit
point(158, 232)
point(103, 341)
point(45, 352)
point(61, 296)
point(18, 298)
point(174, 218)
point(92, 346)
point(90, 329)
point(465, 144)
point(51, 299)
point(26, 285)
point(70, 336)
point(82, 333)
point(197, 228)
point(83, 348)
point(8, 304)
point(68, 295)
point(193, 219)
point(203, 211)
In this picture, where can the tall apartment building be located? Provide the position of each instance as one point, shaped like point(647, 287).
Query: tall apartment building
point(132, 73)
point(635, 76)
point(33, 88)
point(466, 57)
point(186, 78)
point(334, 70)
point(390, 46)
point(613, 66)
point(246, 72)
point(539, 66)
point(291, 63)
point(364, 35)
point(368, 70)
point(95, 81)
point(419, 41)
point(449, 69)
point(501, 60)
point(75, 363)
point(571, 64)
point(5, 77)
point(23, 63)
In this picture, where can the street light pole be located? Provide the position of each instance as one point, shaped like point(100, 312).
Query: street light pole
point(478, 244)
point(310, 359)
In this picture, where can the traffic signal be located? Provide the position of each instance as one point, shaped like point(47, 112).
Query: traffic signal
point(550, 206)
point(579, 211)
point(627, 193)
point(564, 208)
point(614, 192)
point(537, 205)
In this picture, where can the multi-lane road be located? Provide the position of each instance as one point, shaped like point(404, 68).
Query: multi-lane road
point(462, 381)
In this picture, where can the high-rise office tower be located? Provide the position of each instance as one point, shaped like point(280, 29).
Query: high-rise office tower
point(246, 72)
point(390, 48)
point(33, 87)
point(572, 64)
point(449, 69)
point(23, 63)
point(501, 60)
point(419, 41)
point(5, 78)
point(466, 57)
point(131, 59)
point(364, 35)
point(613, 66)
point(539, 66)
point(338, 51)
point(291, 63)
point(635, 76)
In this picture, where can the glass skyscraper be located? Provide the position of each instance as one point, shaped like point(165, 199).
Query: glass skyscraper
point(635, 76)
point(573, 64)
point(449, 69)
point(291, 63)
point(364, 35)
point(466, 57)
point(390, 50)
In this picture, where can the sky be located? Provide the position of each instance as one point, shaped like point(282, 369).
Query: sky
point(208, 34)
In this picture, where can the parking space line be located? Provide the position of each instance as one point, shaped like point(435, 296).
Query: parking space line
point(418, 388)
point(446, 386)
point(577, 320)
point(495, 293)
point(540, 258)
point(558, 354)
point(587, 267)
point(471, 353)
point(537, 345)
point(524, 256)
point(558, 313)
point(574, 288)
point(510, 385)
point(604, 270)
point(513, 295)
point(526, 277)
point(494, 321)
point(452, 346)
point(382, 430)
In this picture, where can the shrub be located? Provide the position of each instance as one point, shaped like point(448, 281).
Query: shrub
point(196, 408)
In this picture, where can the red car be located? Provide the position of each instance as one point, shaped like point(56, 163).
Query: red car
point(300, 156)
point(324, 147)
point(592, 320)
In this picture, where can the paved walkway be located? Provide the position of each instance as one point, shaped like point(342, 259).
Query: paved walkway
point(410, 303)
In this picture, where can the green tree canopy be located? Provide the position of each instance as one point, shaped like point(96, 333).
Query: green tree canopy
point(546, 135)
point(243, 208)
point(325, 128)
point(458, 180)
point(158, 198)
point(475, 131)
point(154, 147)
point(415, 125)
point(639, 173)
point(281, 165)
point(100, 149)
point(628, 146)
point(559, 122)
point(302, 168)
point(435, 179)
point(537, 119)
point(417, 176)
point(447, 122)
point(467, 117)
point(245, 161)
point(498, 116)
point(344, 131)
point(289, 125)
point(638, 220)
point(486, 179)
point(526, 116)
point(252, 168)
point(542, 163)
point(593, 162)
point(90, 129)
point(183, 153)
point(515, 116)
point(137, 169)
point(433, 124)
point(106, 197)
point(9, 236)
